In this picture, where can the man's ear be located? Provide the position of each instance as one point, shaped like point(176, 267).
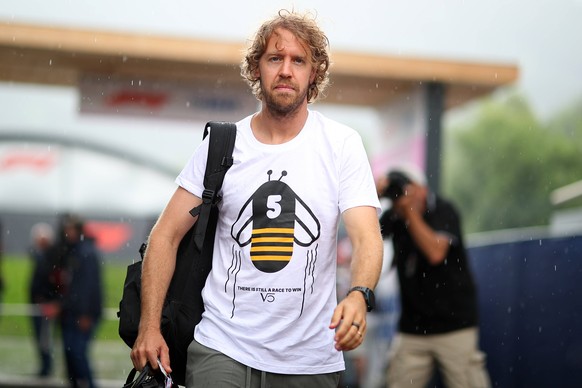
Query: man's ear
point(257, 73)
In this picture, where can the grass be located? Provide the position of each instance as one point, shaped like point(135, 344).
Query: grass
point(17, 272)
point(18, 358)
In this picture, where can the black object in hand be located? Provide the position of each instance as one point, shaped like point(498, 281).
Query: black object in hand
point(396, 183)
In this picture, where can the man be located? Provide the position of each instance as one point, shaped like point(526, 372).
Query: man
point(42, 295)
point(1, 273)
point(76, 280)
point(271, 313)
point(438, 323)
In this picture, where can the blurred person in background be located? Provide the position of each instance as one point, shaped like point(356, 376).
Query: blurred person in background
point(383, 324)
point(76, 278)
point(1, 273)
point(438, 323)
point(42, 296)
point(366, 365)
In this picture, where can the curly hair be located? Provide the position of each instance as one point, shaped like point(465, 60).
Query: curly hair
point(305, 29)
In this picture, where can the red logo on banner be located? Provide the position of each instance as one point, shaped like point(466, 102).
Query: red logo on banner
point(33, 161)
point(110, 236)
point(131, 97)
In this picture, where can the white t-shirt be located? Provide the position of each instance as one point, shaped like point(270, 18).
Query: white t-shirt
point(272, 290)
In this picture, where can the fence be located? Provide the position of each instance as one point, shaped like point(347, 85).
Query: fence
point(530, 298)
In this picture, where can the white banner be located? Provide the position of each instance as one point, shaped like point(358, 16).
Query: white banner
point(205, 100)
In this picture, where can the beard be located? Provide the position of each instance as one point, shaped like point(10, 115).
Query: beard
point(283, 105)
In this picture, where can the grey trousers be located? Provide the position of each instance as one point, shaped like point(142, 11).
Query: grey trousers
point(209, 368)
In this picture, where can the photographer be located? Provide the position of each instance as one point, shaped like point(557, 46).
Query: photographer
point(438, 323)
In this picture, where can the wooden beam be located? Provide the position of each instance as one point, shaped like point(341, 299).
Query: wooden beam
point(59, 55)
point(95, 42)
point(428, 70)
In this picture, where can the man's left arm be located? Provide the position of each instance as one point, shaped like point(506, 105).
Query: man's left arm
point(349, 318)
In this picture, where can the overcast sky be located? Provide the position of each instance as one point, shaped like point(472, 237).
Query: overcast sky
point(542, 37)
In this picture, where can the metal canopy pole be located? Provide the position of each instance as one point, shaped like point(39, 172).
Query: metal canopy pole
point(435, 97)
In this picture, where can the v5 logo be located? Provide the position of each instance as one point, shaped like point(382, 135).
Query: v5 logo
point(268, 297)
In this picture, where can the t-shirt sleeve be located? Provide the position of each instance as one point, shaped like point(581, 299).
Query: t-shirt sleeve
point(357, 187)
point(191, 178)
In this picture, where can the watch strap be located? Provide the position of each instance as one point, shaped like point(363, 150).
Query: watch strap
point(368, 294)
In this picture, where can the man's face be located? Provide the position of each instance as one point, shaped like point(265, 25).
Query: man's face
point(286, 72)
point(71, 233)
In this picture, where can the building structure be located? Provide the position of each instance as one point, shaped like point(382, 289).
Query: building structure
point(167, 78)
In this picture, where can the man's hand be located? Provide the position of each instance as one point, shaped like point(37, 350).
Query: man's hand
point(349, 320)
point(411, 201)
point(148, 348)
point(50, 309)
point(85, 323)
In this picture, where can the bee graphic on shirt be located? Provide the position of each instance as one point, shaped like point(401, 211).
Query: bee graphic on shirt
point(277, 220)
point(274, 221)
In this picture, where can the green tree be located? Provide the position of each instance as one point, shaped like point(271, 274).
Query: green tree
point(501, 166)
point(569, 123)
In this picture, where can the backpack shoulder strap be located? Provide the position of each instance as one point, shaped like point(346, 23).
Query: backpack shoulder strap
point(221, 145)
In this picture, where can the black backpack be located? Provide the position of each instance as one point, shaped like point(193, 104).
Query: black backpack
point(183, 306)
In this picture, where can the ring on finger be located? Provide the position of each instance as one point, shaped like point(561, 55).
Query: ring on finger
point(356, 324)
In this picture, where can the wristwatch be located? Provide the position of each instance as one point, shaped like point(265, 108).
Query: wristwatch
point(368, 296)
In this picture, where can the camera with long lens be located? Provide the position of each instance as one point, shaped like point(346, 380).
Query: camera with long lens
point(397, 181)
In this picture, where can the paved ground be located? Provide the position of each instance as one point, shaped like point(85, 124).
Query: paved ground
point(18, 364)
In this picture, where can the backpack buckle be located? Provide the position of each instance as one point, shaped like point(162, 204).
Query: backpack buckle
point(208, 196)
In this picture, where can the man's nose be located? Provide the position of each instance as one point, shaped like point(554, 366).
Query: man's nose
point(285, 70)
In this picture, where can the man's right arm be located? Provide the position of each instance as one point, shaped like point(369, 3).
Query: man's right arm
point(158, 268)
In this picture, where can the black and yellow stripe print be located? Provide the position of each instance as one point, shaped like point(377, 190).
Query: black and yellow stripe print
point(271, 248)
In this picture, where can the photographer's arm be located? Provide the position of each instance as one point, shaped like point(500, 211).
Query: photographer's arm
point(434, 245)
point(410, 207)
